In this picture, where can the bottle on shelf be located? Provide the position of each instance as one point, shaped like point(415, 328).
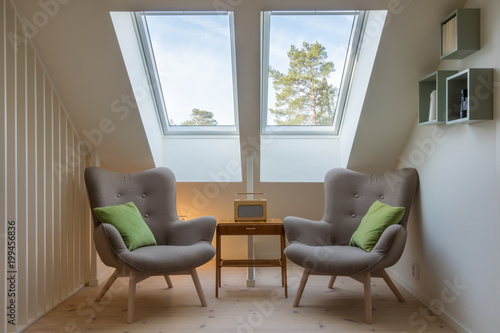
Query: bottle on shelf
point(463, 103)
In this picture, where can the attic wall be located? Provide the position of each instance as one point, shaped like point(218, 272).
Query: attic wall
point(454, 225)
point(409, 46)
point(79, 47)
point(43, 240)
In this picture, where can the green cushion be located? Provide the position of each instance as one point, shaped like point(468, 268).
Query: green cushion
point(128, 220)
point(373, 224)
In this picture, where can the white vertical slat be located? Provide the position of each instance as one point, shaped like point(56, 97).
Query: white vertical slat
point(49, 195)
point(94, 260)
point(81, 215)
point(75, 218)
point(82, 221)
point(69, 216)
point(69, 207)
point(3, 170)
point(10, 106)
point(32, 184)
point(74, 205)
point(43, 181)
point(58, 295)
point(64, 199)
point(89, 226)
point(22, 239)
point(40, 148)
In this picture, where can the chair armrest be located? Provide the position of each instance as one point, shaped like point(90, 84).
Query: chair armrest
point(189, 232)
point(114, 238)
point(393, 239)
point(109, 244)
point(306, 231)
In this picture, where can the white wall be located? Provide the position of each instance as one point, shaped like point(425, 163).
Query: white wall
point(41, 187)
point(453, 229)
point(360, 83)
point(297, 159)
point(133, 59)
point(80, 42)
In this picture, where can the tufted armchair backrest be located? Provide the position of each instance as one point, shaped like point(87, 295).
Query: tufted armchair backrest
point(349, 195)
point(152, 191)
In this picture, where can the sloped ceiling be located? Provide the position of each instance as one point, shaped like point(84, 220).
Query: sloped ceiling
point(76, 42)
point(409, 50)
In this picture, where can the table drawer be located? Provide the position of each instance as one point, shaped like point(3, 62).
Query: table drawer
point(263, 229)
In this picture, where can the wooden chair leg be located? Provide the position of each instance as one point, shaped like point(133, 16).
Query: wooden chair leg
point(169, 282)
point(332, 281)
point(107, 285)
point(132, 282)
point(199, 289)
point(392, 286)
point(368, 297)
point(300, 290)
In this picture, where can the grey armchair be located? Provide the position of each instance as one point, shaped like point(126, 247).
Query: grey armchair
point(182, 246)
point(321, 247)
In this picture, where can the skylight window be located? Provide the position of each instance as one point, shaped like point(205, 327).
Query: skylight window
point(190, 60)
point(307, 63)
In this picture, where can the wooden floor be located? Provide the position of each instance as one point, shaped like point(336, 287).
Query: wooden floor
point(240, 309)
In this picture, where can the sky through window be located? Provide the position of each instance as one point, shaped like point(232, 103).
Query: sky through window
point(193, 55)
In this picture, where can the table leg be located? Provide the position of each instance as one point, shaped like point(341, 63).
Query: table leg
point(283, 265)
point(217, 265)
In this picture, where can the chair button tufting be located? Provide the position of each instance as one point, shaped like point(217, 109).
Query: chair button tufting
point(381, 197)
point(356, 195)
point(143, 195)
point(353, 215)
point(146, 215)
point(118, 195)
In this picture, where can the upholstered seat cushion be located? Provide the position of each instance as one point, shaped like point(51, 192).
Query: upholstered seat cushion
point(335, 260)
point(164, 259)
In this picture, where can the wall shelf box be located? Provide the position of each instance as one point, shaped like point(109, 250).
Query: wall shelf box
point(460, 33)
point(479, 85)
point(434, 81)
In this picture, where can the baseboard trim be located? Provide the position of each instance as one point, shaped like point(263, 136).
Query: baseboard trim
point(101, 278)
point(445, 316)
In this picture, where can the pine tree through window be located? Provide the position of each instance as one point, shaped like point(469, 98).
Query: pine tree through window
point(307, 64)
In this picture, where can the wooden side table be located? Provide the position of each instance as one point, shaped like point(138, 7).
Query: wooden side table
point(249, 228)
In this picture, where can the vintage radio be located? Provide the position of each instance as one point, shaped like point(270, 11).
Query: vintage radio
point(250, 207)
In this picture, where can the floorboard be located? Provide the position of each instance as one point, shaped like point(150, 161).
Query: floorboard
point(262, 308)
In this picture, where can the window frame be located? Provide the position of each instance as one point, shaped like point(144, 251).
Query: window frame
point(154, 80)
point(347, 76)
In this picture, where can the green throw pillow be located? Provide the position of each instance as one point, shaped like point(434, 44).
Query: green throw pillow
point(128, 220)
point(373, 224)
